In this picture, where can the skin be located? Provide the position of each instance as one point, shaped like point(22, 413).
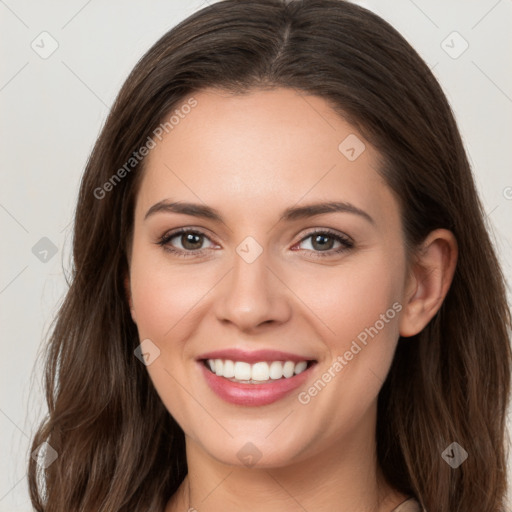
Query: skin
point(251, 157)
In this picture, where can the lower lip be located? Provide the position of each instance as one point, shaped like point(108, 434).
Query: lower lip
point(253, 394)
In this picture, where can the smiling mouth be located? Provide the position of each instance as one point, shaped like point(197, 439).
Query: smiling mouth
point(256, 373)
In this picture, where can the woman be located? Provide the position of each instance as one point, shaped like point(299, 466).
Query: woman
point(284, 295)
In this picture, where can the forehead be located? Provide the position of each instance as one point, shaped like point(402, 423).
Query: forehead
point(263, 147)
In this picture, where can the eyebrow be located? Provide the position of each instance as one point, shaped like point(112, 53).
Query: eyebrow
point(290, 214)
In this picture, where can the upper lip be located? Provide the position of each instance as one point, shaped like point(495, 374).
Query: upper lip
point(254, 356)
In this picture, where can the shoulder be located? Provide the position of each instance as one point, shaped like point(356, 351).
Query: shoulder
point(410, 505)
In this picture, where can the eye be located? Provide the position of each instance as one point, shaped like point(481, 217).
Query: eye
point(189, 242)
point(322, 243)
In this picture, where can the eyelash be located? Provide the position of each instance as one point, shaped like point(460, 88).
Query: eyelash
point(346, 243)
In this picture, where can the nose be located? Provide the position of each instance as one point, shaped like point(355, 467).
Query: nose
point(252, 295)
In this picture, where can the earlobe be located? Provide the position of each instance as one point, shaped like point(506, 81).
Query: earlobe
point(429, 281)
point(129, 297)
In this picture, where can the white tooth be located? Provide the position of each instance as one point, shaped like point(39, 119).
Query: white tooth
point(288, 369)
point(229, 369)
point(242, 371)
point(300, 367)
point(260, 371)
point(276, 370)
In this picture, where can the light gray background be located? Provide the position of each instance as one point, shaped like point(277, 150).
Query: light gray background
point(54, 107)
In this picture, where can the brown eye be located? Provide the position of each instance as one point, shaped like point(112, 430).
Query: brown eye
point(322, 242)
point(191, 241)
point(325, 242)
point(184, 242)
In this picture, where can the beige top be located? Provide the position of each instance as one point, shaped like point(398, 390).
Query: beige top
point(410, 505)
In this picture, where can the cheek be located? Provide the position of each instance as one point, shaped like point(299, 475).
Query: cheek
point(161, 301)
point(360, 305)
point(357, 308)
point(165, 294)
point(352, 296)
point(346, 298)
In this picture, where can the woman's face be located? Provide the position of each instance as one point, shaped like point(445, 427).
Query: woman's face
point(255, 277)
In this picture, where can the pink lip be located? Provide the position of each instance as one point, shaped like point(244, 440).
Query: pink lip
point(254, 356)
point(253, 394)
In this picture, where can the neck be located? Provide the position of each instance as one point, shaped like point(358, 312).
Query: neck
point(346, 478)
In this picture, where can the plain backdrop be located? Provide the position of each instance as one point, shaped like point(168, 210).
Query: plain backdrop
point(62, 64)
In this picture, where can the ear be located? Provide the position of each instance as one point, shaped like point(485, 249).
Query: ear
point(429, 281)
point(129, 296)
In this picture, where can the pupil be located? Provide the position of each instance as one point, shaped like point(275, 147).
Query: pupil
point(322, 244)
point(189, 239)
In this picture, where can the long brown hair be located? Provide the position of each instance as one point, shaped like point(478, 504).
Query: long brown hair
point(118, 447)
